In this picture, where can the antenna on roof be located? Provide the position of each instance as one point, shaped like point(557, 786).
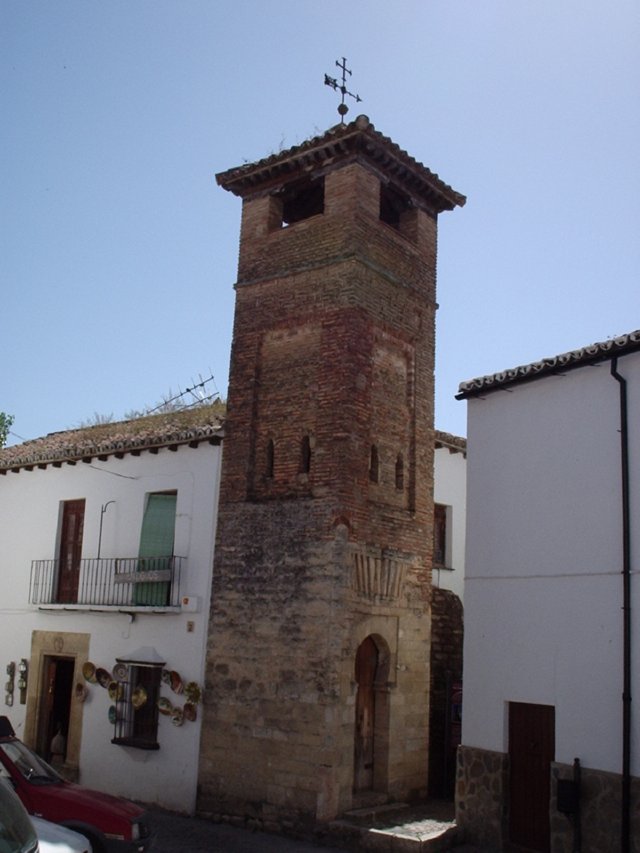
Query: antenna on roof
point(343, 109)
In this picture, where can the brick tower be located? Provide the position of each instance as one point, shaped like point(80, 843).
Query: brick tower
point(317, 671)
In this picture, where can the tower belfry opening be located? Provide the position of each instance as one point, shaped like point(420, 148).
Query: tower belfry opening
point(324, 532)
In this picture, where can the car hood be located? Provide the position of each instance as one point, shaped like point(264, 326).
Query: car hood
point(58, 839)
point(73, 797)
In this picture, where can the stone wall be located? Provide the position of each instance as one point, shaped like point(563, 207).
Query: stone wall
point(600, 812)
point(482, 805)
point(481, 796)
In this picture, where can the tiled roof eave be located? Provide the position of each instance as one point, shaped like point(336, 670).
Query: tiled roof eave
point(356, 140)
point(592, 354)
point(454, 443)
point(87, 453)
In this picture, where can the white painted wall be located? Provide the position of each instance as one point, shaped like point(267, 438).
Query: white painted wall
point(450, 489)
point(29, 517)
point(543, 592)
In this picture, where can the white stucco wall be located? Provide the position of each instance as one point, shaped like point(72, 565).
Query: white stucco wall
point(29, 519)
point(543, 593)
point(450, 489)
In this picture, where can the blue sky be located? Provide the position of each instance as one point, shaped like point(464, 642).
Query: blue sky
point(118, 252)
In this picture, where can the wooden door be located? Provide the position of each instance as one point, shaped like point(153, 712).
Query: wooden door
point(70, 551)
point(366, 667)
point(531, 751)
point(55, 705)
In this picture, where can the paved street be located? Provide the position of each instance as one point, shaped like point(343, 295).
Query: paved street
point(176, 834)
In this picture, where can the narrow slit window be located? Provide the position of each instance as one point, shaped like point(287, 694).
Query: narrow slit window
point(374, 465)
point(305, 455)
point(270, 459)
point(400, 472)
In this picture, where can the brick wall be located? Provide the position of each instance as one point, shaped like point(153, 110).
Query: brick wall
point(333, 351)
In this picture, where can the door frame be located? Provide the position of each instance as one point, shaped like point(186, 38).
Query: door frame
point(55, 644)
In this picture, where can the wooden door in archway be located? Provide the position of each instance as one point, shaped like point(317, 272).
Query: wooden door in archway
point(366, 669)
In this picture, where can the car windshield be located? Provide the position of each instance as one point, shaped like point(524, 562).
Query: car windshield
point(30, 765)
point(17, 834)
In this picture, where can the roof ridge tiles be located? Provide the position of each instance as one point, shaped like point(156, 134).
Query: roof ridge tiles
point(600, 351)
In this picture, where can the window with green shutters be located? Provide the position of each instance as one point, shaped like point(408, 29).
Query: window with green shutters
point(156, 546)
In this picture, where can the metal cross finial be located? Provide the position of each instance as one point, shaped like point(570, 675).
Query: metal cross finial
point(343, 109)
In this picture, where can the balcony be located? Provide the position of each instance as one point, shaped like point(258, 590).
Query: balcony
point(131, 584)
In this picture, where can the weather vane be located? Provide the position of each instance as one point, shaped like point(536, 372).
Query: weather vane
point(343, 109)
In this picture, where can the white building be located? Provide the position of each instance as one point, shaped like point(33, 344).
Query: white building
point(553, 555)
point(450, 499)
point(107, 546)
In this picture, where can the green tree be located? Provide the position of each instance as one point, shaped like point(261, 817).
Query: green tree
point(6, 422)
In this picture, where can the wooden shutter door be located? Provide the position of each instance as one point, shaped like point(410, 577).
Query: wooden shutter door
point(156, 546)
point(70, 551)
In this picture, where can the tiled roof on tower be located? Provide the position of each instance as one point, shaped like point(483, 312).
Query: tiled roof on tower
point(358, 141)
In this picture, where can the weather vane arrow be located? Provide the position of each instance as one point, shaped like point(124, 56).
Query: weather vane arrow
point(343, 109)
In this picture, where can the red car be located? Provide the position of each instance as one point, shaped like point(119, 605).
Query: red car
point(112, 824)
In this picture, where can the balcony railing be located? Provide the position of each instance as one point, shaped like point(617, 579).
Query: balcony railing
point(119, 582)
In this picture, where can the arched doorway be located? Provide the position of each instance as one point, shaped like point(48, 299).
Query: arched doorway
point(371, 717)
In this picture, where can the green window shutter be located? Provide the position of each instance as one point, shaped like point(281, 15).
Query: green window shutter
point(156, 547)
point(158, 526)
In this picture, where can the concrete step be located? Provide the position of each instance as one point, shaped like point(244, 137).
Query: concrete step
point(397, 828)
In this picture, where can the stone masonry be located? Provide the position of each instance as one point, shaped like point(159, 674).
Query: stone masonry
point(325, 521)
point(482, 805)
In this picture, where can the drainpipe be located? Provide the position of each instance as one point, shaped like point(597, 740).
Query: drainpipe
point(626, 609)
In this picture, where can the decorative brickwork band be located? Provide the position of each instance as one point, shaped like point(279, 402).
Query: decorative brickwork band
point(377, 576)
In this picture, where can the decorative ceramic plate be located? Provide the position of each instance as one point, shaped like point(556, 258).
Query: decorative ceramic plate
point(176, 683)
point(165, 675)
point(116, 691)
point(89, 672)
point(190, 712)
point(138, 698)
point(164, 706)
point(177, 717)
point(80, 692)
point(103, 677)
point(113, 714)
point(192, 692)
point(120, 672)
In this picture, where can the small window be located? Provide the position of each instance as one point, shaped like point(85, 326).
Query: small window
point(136, 709)
point(270, 459)
point(302, 201)
point(394, 205)
point(305, 455)
point(374, 465)
point(399, 473)
point(440, 535)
